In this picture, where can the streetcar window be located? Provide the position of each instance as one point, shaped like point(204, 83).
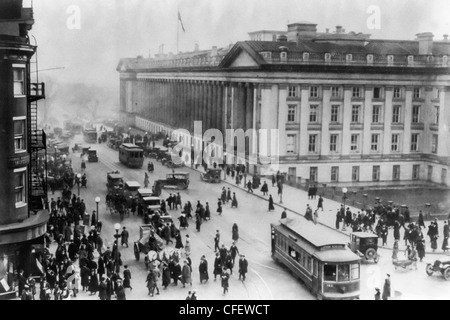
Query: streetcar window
point(294, 254)
point(308, 266)
point(329, 272)
point(344, 272)
point(355, 271)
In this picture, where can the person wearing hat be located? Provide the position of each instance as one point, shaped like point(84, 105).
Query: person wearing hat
point(243, 267)
point(186, 274)
point(194, 295)
point(225, 276)
point(234, 202)
point(124, 237)
point(217, 266)
point(216, 241)
point(203, 270)
point(120, 291)
point(377, 294)
point(219, 207)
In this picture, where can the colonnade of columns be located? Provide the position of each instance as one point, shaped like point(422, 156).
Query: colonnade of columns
point(178, 103)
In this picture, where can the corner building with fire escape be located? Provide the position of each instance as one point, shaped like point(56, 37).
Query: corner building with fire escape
point(23, 196)
point(349, 110)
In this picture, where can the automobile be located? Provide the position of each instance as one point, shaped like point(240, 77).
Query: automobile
point(144, 192)
point(211, 175)
point(115, 182)
point(130, 189)
point(365, 245)
point(63, 148)
point(85, 149)
point(112, 142)
point(442, 266)
point(144, 245)
point(151, 203)
point(92, 155)
point(177, 180)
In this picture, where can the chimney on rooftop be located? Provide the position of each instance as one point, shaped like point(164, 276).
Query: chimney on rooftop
point(425, 43)
point(214, 51)
point(282, 38)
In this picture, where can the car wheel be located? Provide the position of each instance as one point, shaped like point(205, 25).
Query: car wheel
point(447, 274)
point(429, 270)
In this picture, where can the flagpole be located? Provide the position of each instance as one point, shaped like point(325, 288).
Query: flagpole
point(178, 27)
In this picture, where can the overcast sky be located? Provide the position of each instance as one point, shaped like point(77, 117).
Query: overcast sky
point(111, 29)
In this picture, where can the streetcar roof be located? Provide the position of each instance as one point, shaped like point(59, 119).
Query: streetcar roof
point(337, 256)
point(145, 191)
point(115, 176)
point(131, 146)
point(316, 234)
point(151, 199)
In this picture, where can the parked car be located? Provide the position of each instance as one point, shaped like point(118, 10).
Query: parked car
point(442, 266)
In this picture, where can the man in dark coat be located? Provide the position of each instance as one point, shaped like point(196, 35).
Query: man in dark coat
point(320, 203)
point(217, 266)
point(243, 267)
point(120, 291)
point(124, 237)
point(21, 280)
point(203, 270)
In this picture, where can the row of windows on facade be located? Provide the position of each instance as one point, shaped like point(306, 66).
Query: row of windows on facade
point(355, 143)
point(356, 115)
point(349, 57)
point(376, 173)
point(358, 92)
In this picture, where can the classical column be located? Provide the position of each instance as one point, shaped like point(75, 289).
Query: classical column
point(249, 106)
point(213, 107)
point(209, 106)
point(220, 107)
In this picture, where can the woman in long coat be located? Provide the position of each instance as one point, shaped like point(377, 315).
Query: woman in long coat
point(271, 207)
point(207, 212)
point(223, 196)
point(150, 282)
point(434, 242)
point(165, 275)
point(395, 251)
point(421, 221)
point(103, 289)
point(93, 283)
point(187, 246)
point(178, 241)
point(235, 232)
point(445, 244)
point(186, 274)
point(217, 266)
point(264, 188)
point(85, 274)
point(225, 277)
point(234, 203)
point(203, 270)
point(387, 289)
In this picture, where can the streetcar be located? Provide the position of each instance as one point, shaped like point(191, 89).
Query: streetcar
point(319, 257)
point(131, 155)
point(90, 135)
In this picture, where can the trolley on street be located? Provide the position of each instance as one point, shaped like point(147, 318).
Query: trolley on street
point(131, 155)
point(319, 257)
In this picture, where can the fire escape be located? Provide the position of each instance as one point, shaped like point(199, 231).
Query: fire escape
point(37, 178)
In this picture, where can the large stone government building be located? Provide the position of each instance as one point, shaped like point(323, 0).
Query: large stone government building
point(350, 110)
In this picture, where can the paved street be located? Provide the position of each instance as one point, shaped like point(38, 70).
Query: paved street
point(266, 279)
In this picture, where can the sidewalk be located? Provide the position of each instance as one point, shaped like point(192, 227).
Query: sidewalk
point(295, 201)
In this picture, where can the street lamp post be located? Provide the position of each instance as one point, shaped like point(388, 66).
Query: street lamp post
point(428, 205)
point(78, 182)
point(224, 161)
point(97, 201)
point(365, 200)
point(344, 198)
point(117, 236)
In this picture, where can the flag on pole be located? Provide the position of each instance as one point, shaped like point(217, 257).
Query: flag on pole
point(181, 21)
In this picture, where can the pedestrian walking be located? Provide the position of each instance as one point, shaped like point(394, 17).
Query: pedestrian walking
point(225, 276)
point(83, 165)
point(198, 222)
point(203, 270)
point(120, 290)
point(274, 180)
point(187, 245)
point(249, 186)
point(320, 203)
point(207, 212)
point(395, 251)
point(243, 267)
point(146, 180)
point(186, 274)
point(127, 278)
point(387, 288)
point(264, 188)
point(229, 195)
point(234, 202)
point(124, 237)
point(217, 266)
point(309, 213)
point(223, 195)
point(271, 206)
point(420, 246)
point(235, 232)
point(219, 207)
point(216, 241)
point(284, 214)
point(178, 241)
point(234, 251)
point(165, 275)
point(93, 283)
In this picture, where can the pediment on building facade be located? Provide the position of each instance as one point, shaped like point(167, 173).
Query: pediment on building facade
point(242, 55)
